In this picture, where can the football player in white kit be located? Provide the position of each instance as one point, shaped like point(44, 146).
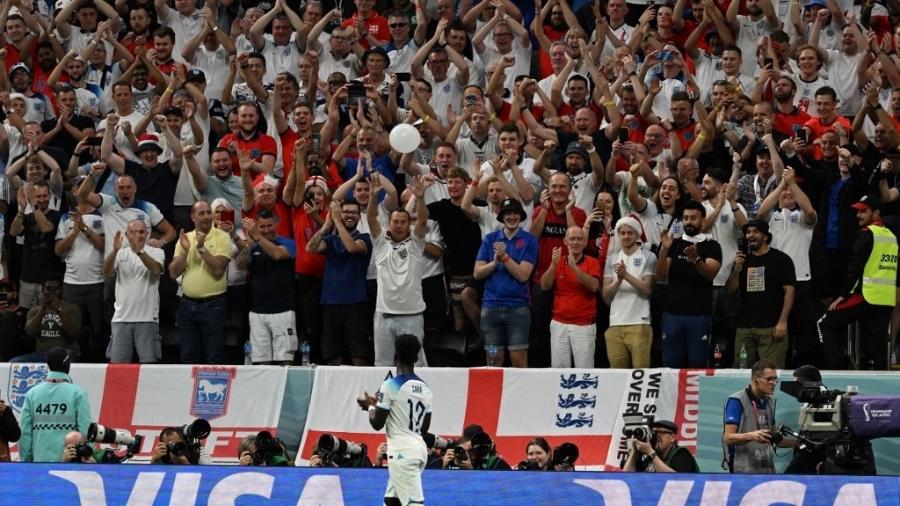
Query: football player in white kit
point(403, 407)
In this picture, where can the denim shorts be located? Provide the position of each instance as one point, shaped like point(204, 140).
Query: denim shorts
point(506, 327)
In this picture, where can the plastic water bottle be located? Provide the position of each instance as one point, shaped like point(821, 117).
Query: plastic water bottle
point(742, 357)
point(248, 348)
point(492, 356)
point(717, 357)
point(304, 349)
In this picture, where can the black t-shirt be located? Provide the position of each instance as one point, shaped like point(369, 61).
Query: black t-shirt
point(38, 259)
point(64, 140)
point(689, 293)
point(271, 295)
point(59, 156)
point(462, 237)
point(763, 278)
point(679, 459)
point(156, 185)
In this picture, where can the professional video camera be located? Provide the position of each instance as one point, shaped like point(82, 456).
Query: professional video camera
point(841, 423)
point(333, 449)
point(267, 448)
point(120, 437)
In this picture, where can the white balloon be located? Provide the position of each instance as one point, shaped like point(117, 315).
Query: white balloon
point(405, 138)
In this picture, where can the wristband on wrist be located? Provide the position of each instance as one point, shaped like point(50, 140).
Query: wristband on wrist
point(592, 150)
point(492, 117)
point(609, 103)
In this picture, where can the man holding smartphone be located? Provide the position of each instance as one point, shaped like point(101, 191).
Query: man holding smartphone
point(766, 279)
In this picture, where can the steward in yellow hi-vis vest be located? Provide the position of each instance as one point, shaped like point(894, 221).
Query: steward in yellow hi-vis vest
point(868, 294)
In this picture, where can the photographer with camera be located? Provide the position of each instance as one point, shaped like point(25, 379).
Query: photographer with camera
point(658, 451)
point(263, 450)
point(181, 445)
point(477, 452)
point(540, 457)
point(749, 436)
point(77, 449)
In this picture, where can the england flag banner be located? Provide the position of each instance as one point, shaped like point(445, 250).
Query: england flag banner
point(144, 399)
point(580, 406)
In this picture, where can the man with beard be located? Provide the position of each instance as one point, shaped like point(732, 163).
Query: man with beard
point(792, 218)
point(584, 166)
point(46, 62)
point(690, 262)
point(345, 313)
point(139, 24)
point(201, 259)
point(72, 70)
point(505, 261)
point(867, 295)
point(765, 279)
point(261, 148)
point(788, 117)
point(19, 81)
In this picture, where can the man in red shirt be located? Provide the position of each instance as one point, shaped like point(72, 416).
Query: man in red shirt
point(789, 119)
point(826, 121)
point(556, 214)
point(261, 147)
point(573, 331)
point(308, 198)
point(263, 194)
point(371, 28)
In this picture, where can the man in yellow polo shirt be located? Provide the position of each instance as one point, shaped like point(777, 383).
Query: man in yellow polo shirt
point(201, 259)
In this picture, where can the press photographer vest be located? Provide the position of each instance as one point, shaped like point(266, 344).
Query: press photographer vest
point(752, 457)
point(879, 282)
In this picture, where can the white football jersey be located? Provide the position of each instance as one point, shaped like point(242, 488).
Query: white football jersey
point(407, 400)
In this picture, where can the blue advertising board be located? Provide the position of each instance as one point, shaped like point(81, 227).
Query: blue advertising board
point(99, 485)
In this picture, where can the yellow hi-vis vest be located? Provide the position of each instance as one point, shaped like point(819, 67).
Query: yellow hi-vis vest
point(880, 274)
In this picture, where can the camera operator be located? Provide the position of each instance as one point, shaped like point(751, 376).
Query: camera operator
point(77, 449)
point(475, 453)
point(263, 450)
point(749, 435)
point(173, 448)
point(661, 453)
point(316, 460)
point(810, 459)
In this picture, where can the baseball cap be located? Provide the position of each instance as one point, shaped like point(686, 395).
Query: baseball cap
point(868, 202)
point(58, 360)
point(195, 75)
point(813, 3)
point(576, 148)
point(19, 66)
point(665, 425)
